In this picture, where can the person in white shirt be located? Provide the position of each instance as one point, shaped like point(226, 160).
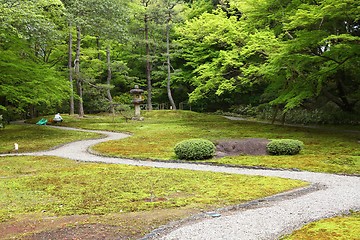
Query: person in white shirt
point(57, 118)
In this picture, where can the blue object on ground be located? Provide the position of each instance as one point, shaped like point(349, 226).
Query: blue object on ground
point(213, 214)
point(42, 121)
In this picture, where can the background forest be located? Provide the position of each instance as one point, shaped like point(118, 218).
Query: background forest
point(299, 58)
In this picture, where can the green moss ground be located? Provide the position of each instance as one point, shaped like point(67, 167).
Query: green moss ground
point(55, 187)
point(36, 138)
point(332, 151)
point(47, 192)
point(342, 227)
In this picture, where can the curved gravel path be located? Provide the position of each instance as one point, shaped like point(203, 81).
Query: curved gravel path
point(337, 195)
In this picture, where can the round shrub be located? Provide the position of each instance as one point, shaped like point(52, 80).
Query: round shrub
point(195, 149)
point(284, 147)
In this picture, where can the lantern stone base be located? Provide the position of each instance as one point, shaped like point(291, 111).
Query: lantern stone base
point(137, 100)
point(137, 110)
point(138, 118)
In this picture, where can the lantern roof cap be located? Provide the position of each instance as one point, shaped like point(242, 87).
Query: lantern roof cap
point(136, 90)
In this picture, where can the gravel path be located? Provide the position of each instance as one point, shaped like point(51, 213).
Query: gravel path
point(337, 195)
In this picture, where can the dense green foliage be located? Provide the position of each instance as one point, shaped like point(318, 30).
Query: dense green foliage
point(217, 55)
point(194, 149)
point(304, 53)
point(284, 147)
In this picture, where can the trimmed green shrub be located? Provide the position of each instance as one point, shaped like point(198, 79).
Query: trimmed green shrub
point(284, 147)
point(195, 149)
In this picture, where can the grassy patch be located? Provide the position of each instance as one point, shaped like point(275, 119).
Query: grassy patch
point(55, 187)
point(35, 138)
point(343, 227)
point(330, 151)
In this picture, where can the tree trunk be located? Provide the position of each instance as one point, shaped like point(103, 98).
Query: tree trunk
point(347, 106)
point(338, 101)
point(98, 47)
point(108, 79)
point(77, 72)
point(275, 114)
point(340, 95)
point(168, 88)
point(283, 118)
point(148, 62)
point(71, 73)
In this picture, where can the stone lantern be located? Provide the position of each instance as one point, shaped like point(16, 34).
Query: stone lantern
point(137, 100)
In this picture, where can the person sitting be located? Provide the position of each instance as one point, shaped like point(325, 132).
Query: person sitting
point(57, 118)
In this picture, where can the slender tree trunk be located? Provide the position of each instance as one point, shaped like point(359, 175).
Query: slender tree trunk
point(77, 72)
point(32, 111)
point(168, 88)
point(98, 47)
point(283, 118)
point(148, 63)
point(108, 80)
point(348, 106)
point(340, 95)
point(275, 114)
point(71, 73)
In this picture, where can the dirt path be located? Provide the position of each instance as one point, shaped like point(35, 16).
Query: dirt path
point(268, 220)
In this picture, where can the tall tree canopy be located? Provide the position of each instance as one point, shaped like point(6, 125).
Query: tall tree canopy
point(318, 51)
point(301, 50)
point(30, 32)
point(215, 54)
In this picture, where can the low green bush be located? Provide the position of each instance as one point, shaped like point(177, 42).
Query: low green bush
point(284, 147)
point(195, 149)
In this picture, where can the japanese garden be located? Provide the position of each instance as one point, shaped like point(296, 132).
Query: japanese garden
point(179, 119)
